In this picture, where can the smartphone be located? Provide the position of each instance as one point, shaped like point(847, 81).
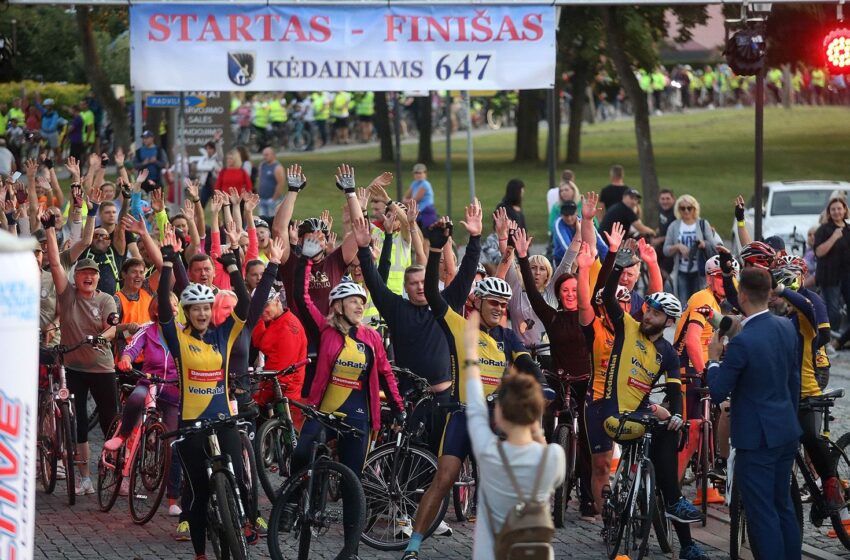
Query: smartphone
point(511, 238)
point(15, 176)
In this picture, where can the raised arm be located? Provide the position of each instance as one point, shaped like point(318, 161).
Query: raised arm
point(542, 309)
point(375, 283)
point(243, 298)
point(439, 236)
point(151, 248)
point(650, 258)
point(741, 224)
point(60, 279)
point(384, 261)
point(345, 182)
point(296, 181)
point(261, 294)
point(416, 243)
point(192, 189)
point(585, 261)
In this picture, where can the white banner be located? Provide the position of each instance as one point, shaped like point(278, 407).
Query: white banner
point(182, 47)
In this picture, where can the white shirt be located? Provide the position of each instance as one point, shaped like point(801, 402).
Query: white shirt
point(552, 196)
point(747, 320)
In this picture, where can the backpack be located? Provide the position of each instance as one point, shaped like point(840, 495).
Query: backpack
point(528, 529)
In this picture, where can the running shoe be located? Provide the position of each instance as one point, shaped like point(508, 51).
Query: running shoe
point(84, 487)
point(174, 510)
point(182, 534)
point(692, 552)
point(443, 530)
point(684, 511)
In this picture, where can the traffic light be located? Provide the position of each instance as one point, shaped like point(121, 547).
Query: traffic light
point(836, 48)
point(745, 51)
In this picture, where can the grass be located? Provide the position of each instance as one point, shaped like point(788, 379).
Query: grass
point(707, 154)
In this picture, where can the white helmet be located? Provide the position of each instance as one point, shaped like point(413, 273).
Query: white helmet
point(624, 295)
point(712, 267)
point(197, 293)
point(493, 288)
point(347, 289)
point(666, 302)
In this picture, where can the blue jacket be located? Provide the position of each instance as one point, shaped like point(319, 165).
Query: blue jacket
point(761, 370)
point(562, 236)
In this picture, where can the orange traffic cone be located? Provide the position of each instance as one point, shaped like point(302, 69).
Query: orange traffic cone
point(615, 459)
point(714, 497)
point(622, 557)
point(832, 534)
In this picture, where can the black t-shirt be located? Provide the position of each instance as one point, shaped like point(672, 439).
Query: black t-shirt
point(618, 213)
point(829, 271)
point(110, 264)
point(665, 218)
point(612, 194)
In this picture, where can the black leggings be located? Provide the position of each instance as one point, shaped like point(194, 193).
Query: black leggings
point(664, 455)
point(103, 390)
point(816, 447)
point(193, 453)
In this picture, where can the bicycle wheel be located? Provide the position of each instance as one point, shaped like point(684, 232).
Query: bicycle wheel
point(564, 437)
point(273, 456)
point(299, 140)
point(463, 491)
point(839, 454)
point(148, 475)
point(704, 464)
point(249, 469)
point(66, 427)
point(325, 515)
point(641, 510)
point(613, 511)
point(48, 448)
point(394, 480)
point(662, 525)
point(109, 471)
point(225, 516)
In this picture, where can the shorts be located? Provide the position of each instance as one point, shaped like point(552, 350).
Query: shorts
point(340, 122)
point(595, 413)
point(52, 138)
point(455, 441)
point(364, 118)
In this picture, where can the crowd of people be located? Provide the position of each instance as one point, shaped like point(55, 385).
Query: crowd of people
point(231, 281)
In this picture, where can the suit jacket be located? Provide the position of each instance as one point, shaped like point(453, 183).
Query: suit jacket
point(761, 370)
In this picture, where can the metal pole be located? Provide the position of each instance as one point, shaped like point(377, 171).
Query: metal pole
point(180, 151)
point(137, 116)
point(759, 159)
point(397, 132)
point(447, 110)
point(470, 156)
point(553, 150)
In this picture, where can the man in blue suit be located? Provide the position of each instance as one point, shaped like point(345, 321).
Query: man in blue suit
point(761, 371)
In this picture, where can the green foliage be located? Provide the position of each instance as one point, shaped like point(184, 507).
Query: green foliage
point(62, 94)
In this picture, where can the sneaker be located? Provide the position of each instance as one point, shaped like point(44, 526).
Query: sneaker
point(588, 512)
point(114, 444)
point(84, 487)
point(125, 487)
point(261, 526)
point(832, 492)
point(410, 555)
point(182, 534)
point(684, 511)
point(403, 528)
point(443, 530)
point(717, 474)
point(174, 510)
point(60, 472)
point(287, 518)
point(693, 552)
point(549, 393)
point(251, 535)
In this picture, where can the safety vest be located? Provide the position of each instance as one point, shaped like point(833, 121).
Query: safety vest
point(400, 258)
point(88, 126)
point(818, 78)
point(4, 121)
point(15, 113)
point(658, 81)
point(234, 104)
point(261, 115)
point(133, 312)
point(110, 260)
point(366, 104)
point(340, 104)
point(708, 79)
point(644, 80)
point(321, 110)
point(797, 81)
point(277, 112)
point(774, 76)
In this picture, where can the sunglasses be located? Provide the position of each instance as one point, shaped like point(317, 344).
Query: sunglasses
point(497, 303)
point(685, 208)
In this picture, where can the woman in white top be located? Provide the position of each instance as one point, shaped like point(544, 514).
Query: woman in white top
point(518, 411)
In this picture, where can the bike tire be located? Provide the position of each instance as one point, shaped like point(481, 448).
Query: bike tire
point(662, 525)
point(702, 476)
point(463, 493)
point(109, 478)
point(249, 470)
point(66, 426)
point(391, 503)
point(273, 456)
point(281, 544)
point(612, 513)
point(223, 497)
point(839, 454)
point(738, 529)
point(567, 440)
point(48, 445)
point(646, 509)
point(149, 474)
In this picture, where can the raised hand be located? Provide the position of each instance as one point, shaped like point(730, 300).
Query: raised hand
point(363, 198)
point(472, 218)
point(31, 167)
point(345, 178)
point(233, 196)
point(189, 210)
point(331, 241)
point(626, 257)
point(170, 238)
point(142, 176)
point(217, 201)
point(293, 232)
point(251, 200)
point(232, 233)
point(500, 217)
point(412, 212)
point(118, 156)
point(133, 225)
point(73, 167)
point(94, 162)
point(739, 208)
point(585, 257)
point(615, 237)
point(439, 233)
point(295, 179)
point(362, 235)
point(275, 250)
point(192, 189)
point(647, 252)
point(389, 220)
point(377, 192)
point(383, 180)
point(95, 195)
point(227, 259)
point(326, 217)
point(47, 219)
point(522, 243)
point(156, 200)
point(588, 205)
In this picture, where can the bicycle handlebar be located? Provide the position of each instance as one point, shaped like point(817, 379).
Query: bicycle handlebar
point(211, 424)
point(285, 371)
point(150, 377)
point(332, 420)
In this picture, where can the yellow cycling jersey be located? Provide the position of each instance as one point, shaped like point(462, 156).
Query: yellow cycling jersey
point(601, 341)
point(702, 298)
point(803, 317)
point(347, 375)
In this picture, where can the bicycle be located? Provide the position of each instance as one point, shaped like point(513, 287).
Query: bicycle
point(631, 503)
point(397, 474)
point(307, 504)
point(700, 457)
point(565, 434)
point(276, 438)
point(225, 514)
point(143, 460)
point(56, 421)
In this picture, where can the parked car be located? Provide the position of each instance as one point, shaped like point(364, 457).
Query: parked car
point(790, 209)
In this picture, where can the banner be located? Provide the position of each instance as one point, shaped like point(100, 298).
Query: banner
point(182, 47)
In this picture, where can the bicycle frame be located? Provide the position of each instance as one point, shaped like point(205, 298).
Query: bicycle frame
point(59, 385)
point(132, 445)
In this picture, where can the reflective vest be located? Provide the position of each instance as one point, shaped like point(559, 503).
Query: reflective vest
point(88, 126)
point(4, 120)
point(277, 112)
point(818, 78)
point(261, 115)
point(15, 113)
point(321, 110)
point(366, 104)
point(644, 80)
point(340, 104)
point(658, 81)
point(774, 76)
point(234, 104)
point(133, 312)
point(400, 258)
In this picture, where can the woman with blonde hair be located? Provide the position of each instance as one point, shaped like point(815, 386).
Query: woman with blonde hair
point(690, 241)
point(233, 175)
point(832, 249)
point(566, 191)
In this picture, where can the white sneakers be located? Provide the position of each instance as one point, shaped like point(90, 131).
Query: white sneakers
point(174, 510)
point(84, 487)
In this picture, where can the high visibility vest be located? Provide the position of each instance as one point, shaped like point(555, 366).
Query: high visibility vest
point(644, 80)
point(708, 79)
point(774, 76)
point(277, 112)
point(4, 121)
point(234, 104)
point(340, 104)
point(658, 81)
point(88, 126)
point(133, 312)
point(366, 104)
point(797, 81)
point(261, 115)
point(320, 109)
point(15, 113)
point(818, 78)
point(400, 258)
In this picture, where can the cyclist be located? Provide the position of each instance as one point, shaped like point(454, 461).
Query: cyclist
point(640, 356)
point(821, 316)
point(755, 254)
point(132, 301)
point(201, 352)
point(500, 349)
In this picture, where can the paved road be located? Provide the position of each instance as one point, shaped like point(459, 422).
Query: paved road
point(82, 532)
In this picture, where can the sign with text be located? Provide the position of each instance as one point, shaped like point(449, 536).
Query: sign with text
point(331, 48)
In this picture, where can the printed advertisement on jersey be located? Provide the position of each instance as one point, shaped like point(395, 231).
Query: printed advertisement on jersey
point(181, 47)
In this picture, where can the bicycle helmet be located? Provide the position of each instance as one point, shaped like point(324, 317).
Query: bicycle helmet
point(347, 289)
point(788, 276)
point(311, 225)
point(800, 262)
point(493, 288)
point(480, 270)
point(666, 302)
point(197, 293)
point(712, 267)
point(624, 295)
point(758, 254)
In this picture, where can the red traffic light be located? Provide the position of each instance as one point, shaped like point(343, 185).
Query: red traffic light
point(836, 47)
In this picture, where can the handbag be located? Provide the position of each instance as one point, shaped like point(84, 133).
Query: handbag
point(704, 253)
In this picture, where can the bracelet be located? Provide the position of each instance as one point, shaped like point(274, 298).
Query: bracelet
point(350, 195)
point(470, 363)
point(742, 224)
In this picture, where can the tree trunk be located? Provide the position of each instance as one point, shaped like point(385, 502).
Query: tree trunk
point(556, 128)
point(382, 125)
point(425, 124)
point(527, 126)
point(577, 107)
point(100, 83)
point(614, 27)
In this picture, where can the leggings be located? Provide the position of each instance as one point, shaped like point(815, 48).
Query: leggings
point(665, 458)
point(193, 453)
point(816, 446)
point(105, 394)
point(351, 448)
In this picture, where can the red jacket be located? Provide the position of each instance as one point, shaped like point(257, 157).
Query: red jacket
point(283, 343)
point(330, 346)
point(234, 177)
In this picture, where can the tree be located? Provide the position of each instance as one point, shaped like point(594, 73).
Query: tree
point(527, 126)
point(633, 35)
point(424, 123)
point(382, 125)
point(99, 80)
